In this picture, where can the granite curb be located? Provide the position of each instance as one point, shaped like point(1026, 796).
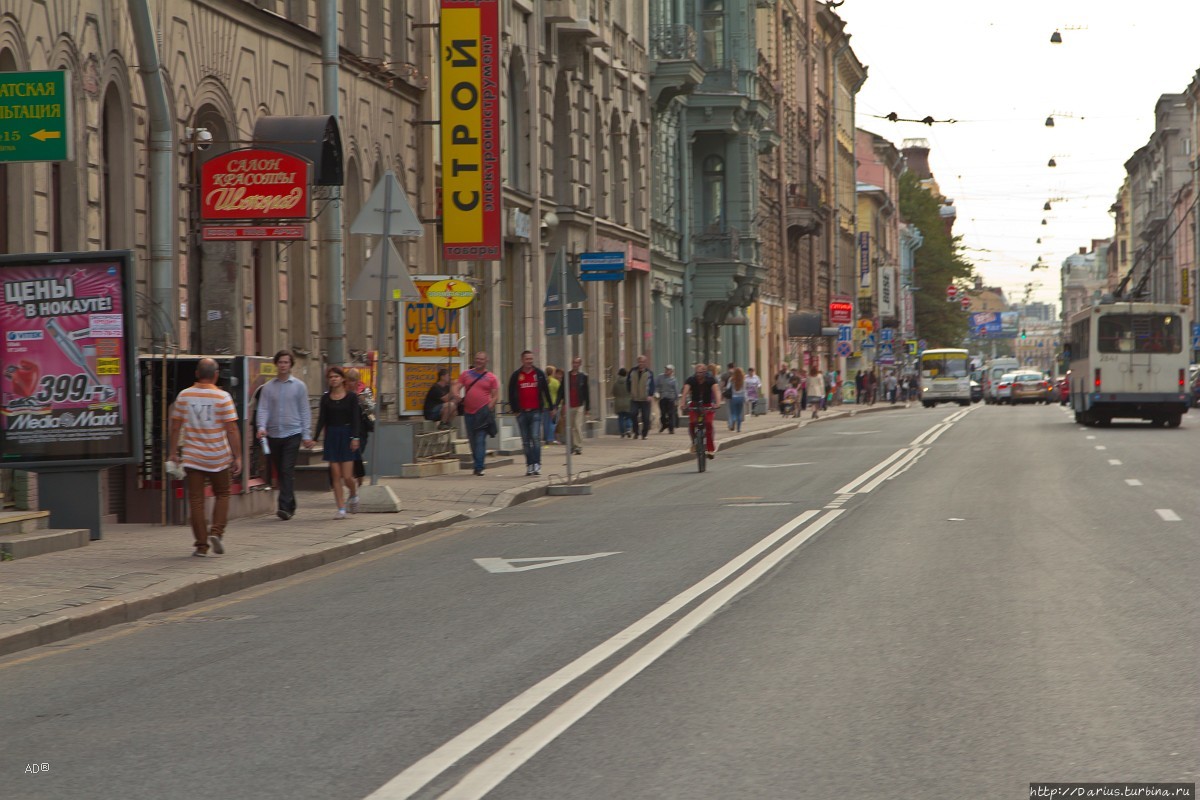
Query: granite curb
point(173, 593)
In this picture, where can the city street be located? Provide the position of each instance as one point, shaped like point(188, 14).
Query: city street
point(920, 603)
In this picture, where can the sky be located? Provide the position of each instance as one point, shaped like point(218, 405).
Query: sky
point(992, 67)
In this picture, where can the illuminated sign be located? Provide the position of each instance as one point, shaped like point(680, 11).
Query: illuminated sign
point(254, 184)
point(841, 311)
point(472, 222)
point(67, 397)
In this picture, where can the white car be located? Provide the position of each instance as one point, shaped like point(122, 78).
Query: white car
point(1004, 388)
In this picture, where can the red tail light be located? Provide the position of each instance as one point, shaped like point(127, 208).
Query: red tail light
point(1182, 378)
point(1097, 377)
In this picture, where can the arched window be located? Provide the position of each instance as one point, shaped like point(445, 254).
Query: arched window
point(115, 172)
point(636, 179)
point(713, 33)
point(352, 22)
point(616, 169)
point(713, 201)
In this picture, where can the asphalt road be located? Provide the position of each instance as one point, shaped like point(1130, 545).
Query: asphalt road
point(919, 603)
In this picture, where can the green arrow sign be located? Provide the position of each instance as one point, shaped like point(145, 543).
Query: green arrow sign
point(35, 116)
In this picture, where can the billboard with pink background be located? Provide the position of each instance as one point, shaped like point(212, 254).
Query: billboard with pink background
point(65, 380)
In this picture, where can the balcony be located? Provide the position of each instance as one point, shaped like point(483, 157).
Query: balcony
point(574, 18)
point(806, 210)
point(676, 70)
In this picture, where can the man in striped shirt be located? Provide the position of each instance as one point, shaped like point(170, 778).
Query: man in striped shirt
point(210, 452)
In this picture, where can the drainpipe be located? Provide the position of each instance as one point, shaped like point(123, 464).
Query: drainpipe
point(162, 194)
point(332, 292)
point(684, 203)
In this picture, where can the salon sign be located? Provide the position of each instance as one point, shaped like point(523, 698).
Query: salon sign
point(254, 184)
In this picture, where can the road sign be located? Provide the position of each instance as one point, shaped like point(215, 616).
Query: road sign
point(845, 333)
point(887, 335)
point(366, 286)
point(951, 293)
point(843, 349)
point(35, 116)
point(553, 321)
point(402, 220)
point(922, 346)
point(575, 291)
point(602, 266)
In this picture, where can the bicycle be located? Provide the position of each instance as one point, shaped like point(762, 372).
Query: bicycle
point(698, 416)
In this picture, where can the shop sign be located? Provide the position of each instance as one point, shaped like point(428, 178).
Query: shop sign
point(67, 393)
point(254, 183)
point(841, 311)
point(450, 294)
point(225, 233)
point(472, 222)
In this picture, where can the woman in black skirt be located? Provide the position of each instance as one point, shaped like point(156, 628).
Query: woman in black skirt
point(339, 418)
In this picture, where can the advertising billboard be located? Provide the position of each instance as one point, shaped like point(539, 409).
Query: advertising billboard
point(68, 388)
point(472, 221)
point(431, 338)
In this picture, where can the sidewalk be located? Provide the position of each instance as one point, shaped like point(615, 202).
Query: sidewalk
point(138, 570)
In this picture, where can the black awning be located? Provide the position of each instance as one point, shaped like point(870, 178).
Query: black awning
point(314, 138)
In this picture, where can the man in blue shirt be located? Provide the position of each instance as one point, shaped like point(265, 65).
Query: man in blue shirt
point(284, 420)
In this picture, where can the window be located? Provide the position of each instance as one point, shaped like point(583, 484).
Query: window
point(713, 33)
point(713, 200)
point(1139, 333)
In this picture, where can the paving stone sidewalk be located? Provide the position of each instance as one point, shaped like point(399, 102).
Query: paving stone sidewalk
point(141, 569)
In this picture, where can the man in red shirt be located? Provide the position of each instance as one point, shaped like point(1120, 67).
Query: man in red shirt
point(480, 393)
point(528, 396)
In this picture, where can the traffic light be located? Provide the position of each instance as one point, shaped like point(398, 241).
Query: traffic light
point(1022, 333)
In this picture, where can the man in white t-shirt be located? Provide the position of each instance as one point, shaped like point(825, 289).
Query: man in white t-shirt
point(209, 453)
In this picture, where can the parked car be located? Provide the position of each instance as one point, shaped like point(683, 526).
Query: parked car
point(1029, 387)
point(1004, 388)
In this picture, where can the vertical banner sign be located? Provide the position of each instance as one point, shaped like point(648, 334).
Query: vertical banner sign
point(887, 291)
point(864, 264)
point(66, 372)
point(472, 222)
point(1185, 285)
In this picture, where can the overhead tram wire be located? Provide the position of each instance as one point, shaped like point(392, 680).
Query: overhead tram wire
point(1141, 285)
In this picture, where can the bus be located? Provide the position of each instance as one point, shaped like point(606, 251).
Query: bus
point(945, 377)
point(1129, 359)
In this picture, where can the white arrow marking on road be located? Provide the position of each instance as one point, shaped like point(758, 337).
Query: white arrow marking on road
point(754, 505)
point(1133, 482)
point(1167, 515)
point(777, 466)
point(510, 564)
point(1114, 462)
point(853, 433)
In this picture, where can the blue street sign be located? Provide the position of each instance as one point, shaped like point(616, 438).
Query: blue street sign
point(602, 266)
point(845, 334)
point(887, 334)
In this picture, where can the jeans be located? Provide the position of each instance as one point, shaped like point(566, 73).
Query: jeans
point(624, 422)
point(530, 425)
point(549, 422)
point(666, 414)
point(283, 461)
point(641, 408)
point(195, 480)
point(737, 412)
point(478, 437)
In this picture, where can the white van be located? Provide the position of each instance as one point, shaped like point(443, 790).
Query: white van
point(992, 371)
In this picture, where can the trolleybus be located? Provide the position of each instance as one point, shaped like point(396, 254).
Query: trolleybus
point(1129, 359)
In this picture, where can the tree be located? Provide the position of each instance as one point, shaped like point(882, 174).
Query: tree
point(938, 263)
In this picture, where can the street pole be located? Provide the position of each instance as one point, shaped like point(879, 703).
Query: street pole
point(570, 488)
point(381, 313)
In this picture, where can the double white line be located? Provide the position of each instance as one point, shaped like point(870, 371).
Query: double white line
point(495, 769)
point(728, 583)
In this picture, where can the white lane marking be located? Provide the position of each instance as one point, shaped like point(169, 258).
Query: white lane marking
point(485, 777)
point(510, 564)
point(1101, 447)
point(1091, 437)
point(1167, 515)
point(852, 433)
point(935, 431)
point(893, 470)
point(849, 487)
point(422, 772)
point(777, 466)
point(1116, 462)
point(755, 505)
point(1133, 482)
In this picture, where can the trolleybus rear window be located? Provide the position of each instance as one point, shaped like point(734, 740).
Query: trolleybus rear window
point(1140, 333)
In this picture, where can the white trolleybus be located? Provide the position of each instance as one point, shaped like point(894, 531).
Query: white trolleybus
point(945, 377)
point(1129, 359)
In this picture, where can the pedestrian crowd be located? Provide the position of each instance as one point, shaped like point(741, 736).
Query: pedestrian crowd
point(549, 404)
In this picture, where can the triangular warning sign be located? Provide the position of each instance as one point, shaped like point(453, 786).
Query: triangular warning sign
point(388, 203)
point(366, 286)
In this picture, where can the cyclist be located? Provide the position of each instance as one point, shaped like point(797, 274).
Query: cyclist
point(701, 395)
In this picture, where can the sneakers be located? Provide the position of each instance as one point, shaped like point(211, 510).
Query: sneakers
point(537, 469)
point(217, 545)
point(711, 456)
point(283, 515)
point(479, 472)
point(198, 553)
point(576, 451)
point(341, 514)
point(352, 504)
point(528, 470)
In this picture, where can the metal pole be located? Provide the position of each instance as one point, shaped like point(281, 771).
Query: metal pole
point(381, 313)
point(562, 296)
point(332, 294)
